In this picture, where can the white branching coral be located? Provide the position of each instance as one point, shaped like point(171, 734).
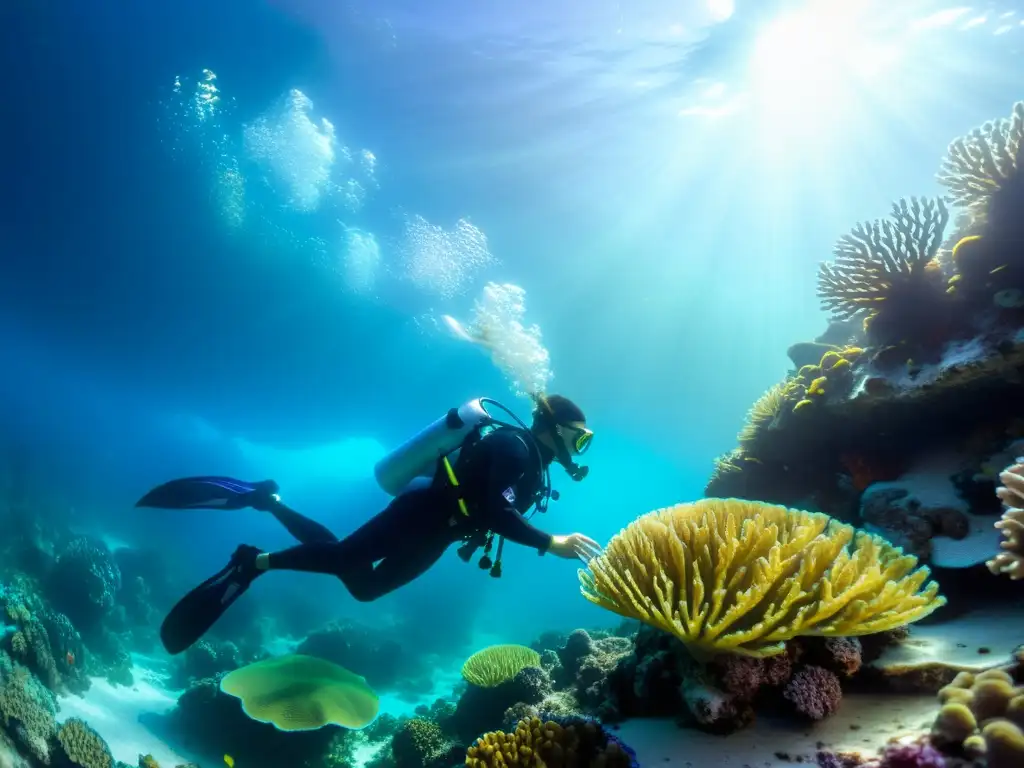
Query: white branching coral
point(981, 163)
point(1011, 560)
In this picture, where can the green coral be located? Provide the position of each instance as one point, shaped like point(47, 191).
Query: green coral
point(497, 664)
point(83, 746)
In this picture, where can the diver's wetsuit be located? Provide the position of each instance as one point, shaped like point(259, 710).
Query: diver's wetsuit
point(499, 477)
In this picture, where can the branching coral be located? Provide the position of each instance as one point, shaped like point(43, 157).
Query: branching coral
point(725, 575)
point(497, 664)
point(83, 746)
point(981, 163)
point(886, 266)
point(1011, 493)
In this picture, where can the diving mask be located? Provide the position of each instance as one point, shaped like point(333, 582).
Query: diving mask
point(582, 440)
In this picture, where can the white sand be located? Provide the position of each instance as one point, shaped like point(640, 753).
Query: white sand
point(862, 724)
point(955, 643)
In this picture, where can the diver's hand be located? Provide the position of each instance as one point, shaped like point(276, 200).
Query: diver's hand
point(575, 546)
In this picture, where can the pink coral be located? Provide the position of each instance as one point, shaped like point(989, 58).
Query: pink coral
point(814, 692)
point(919, 754)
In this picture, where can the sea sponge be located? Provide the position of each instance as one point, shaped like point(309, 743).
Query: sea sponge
point(887, 265)
point(730, 575)
point(83, 746)
point(497, 664)
point(302, 693)
point(1011, 560)
point(991, 700)
point(979, 165)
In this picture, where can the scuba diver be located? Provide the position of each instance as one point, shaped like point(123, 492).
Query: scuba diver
point(467, 477)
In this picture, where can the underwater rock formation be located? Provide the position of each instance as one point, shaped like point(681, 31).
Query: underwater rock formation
point(925, 355)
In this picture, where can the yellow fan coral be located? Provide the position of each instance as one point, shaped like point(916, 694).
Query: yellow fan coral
point(981, 163)
point(727, 575)
point(497, 664)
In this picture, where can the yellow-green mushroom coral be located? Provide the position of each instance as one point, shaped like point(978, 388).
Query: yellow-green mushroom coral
point(302, 693)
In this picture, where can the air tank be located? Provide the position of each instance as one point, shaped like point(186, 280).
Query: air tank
point(417, 456)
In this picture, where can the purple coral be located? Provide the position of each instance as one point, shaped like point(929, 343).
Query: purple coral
point(919, 754)
point(814, 692)
point(845, 654)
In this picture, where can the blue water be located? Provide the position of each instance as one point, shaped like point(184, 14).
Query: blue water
point(660, 178)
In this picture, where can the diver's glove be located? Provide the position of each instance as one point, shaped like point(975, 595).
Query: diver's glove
point(243, 564)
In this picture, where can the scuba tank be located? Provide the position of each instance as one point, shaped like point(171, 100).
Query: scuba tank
point(418, 456)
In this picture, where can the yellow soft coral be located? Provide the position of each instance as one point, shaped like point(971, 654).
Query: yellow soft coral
point(981, 163)
point(762, 413)
point(497, 664)
point(989, 700)
point(727, 575)
point(537, 744)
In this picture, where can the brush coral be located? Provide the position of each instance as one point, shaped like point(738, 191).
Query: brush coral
point(727, 575)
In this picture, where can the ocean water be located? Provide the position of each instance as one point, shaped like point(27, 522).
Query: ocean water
point(276, 238)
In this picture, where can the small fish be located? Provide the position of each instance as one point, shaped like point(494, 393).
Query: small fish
point(70, 659)
point(229, 761)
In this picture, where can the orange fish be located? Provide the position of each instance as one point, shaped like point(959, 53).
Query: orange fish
point(70, 658)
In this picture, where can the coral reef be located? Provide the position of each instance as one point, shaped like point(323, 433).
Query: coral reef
point(925, 353)
point(84, 582)
point(744, 577)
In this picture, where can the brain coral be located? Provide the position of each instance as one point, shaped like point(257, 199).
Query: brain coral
point(727, 575)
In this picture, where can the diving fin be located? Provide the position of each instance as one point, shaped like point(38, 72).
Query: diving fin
point(210, 492)
point(194, 615)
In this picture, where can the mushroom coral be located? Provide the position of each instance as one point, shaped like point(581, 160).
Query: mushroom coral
point(729, 575)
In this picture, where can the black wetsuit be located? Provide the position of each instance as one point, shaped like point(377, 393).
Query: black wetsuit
point(500, 477)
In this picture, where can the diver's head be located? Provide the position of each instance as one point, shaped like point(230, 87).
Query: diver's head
point(561, 427)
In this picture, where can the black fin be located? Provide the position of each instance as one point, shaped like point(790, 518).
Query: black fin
point(194, 615)
point(208, 492)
